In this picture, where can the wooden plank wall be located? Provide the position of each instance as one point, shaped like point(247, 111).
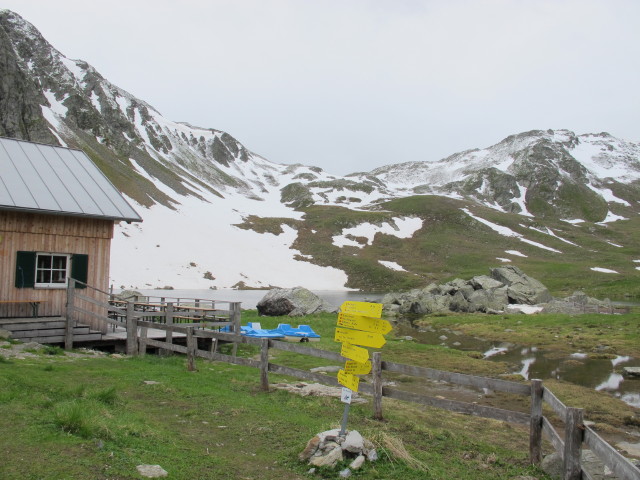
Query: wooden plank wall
point(52, 233)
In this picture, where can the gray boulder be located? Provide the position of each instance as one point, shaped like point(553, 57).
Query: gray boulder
point(485, 282)
point(521, 288)
point(494, 299)
point(293, 302)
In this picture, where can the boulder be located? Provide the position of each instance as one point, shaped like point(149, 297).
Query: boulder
point(485, 282)
point(292, 302)
point(521, 288)
point(495, 299)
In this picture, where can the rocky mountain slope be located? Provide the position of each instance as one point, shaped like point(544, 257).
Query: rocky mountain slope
point(218, 215)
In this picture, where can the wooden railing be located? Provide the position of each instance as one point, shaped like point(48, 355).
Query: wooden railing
point(567, 443)
point(123, 313)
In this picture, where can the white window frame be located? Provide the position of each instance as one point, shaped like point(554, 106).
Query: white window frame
point(52, 270)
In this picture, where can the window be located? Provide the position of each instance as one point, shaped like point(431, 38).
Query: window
point(51, 270)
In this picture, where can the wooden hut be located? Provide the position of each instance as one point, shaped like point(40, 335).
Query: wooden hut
point(57, 215)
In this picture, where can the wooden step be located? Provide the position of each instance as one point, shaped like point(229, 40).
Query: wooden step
point(43, 330)
point(48, 332)
point(92, 337)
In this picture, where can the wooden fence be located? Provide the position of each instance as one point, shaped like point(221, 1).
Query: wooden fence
point(567, 443)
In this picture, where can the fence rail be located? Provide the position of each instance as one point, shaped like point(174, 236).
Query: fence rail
point(567, 444)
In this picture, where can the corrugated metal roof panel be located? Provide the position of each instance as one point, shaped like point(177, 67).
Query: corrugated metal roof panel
point(38, 177)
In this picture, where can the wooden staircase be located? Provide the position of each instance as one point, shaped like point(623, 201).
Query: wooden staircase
point(46, 330)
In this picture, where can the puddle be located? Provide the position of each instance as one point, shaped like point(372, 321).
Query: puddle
point(531, 362)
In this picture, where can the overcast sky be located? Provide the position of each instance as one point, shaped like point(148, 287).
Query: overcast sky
point(351, 85)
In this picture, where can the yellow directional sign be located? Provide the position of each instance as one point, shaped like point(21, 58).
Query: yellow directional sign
point(357, 368)
point(348, 380)
point(368, 324)
point(358, 354)
point(362, 308)
point(356, 337)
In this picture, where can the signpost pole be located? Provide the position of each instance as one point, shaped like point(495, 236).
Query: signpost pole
point(345, 416)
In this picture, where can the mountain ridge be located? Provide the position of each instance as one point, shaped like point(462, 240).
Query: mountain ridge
point(197, 187)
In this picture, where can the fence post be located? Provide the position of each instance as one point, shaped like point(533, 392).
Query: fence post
point(69, 324)
point(142, 341)
point(132, 331)
point(168, 320)
point(535, 425)
point(234, 316)
point(376, 373)
point(264, 364)
point(574, 433)
point(192, 346)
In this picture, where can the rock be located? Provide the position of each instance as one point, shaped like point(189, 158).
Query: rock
point(310, 449)
point(372, 455)
point(353, 442)
point(485, 282)
point(292, 302)
point(520, 287)
point(4, 334)
point(631, 371)
point(152, 471)
point(485, 300)
point(357, 463)
point(130, 295)
point(151, 382)
point(329, 369)
point(459, 303)
point(345, 473)
point(329, 459)
point(315, 390)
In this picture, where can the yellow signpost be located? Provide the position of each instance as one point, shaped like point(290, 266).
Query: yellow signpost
point(348, 380)
point(362, 308)
point(368, 324)
point(358, 324)
point(358, 337)
point(358, 354)
point(357, 368)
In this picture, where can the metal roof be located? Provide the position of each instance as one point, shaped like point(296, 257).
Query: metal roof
point(57, 180)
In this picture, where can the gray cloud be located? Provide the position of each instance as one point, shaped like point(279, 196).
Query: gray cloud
point(350, 86)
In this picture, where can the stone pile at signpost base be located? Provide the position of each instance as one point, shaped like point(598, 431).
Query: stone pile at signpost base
point(328, 448)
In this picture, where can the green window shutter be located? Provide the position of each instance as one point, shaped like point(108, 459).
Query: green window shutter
point(25, 269)
point(80, 268)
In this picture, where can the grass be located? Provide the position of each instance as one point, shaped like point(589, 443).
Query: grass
point(95, 417)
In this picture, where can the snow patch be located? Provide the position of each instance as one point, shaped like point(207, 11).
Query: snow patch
point(608, 195)
point(516, 253)
point(548, 231)
point(403, 227)
point(615, 244)
point(521, 308)
point(507, 232)
point(611, 217)
point(602, 270)
point(57, 106)
point(504, 260)
point(392, 265)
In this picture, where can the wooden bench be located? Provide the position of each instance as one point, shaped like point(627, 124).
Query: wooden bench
point(35, 305)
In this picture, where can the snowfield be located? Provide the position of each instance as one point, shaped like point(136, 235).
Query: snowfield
point(198, 246)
